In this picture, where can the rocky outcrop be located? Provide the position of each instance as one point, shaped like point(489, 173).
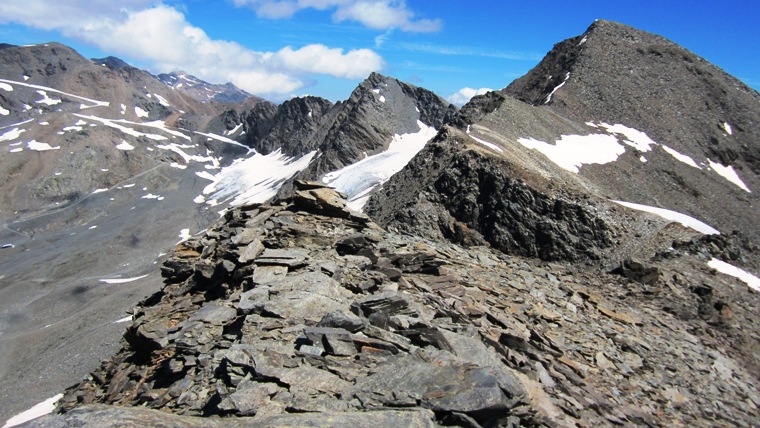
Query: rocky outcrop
point(471, 198)
point(305, 313)
point(289, 127)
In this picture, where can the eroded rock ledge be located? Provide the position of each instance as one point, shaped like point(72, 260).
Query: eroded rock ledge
point(305, 313)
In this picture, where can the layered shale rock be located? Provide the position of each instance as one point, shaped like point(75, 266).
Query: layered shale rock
point(304, 313)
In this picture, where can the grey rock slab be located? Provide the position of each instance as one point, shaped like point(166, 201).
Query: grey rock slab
point(345, 320)
point(416, 418)
point(389, 303)
point(307, 296)
point(446, 387)
point(267, 274)
point(251, 251)
point(252, 301)
point(214, 313)
point(308, 377)
point(245, 236)
point(250, 396)
point(276, 256)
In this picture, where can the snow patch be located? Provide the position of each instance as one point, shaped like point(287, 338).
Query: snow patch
point(12, 134)
point(184, 235)
point(178, 166)
point(4, 112)
point(140, 112)
point(583, 40)
point(643, 159)
point(123, 320)
point(162, 100)
point(359, 179)
point(129, 131)
point(122, 281)
point(199, 199)
point(99, 191)
point(673, 216)
point(680, 157)
point(382, 99)
point(255, 179)
point(491, 146)
point(47, 100)
point(572, 151)
point(177, 148)
point(377, 91)
point(549, 98)
point(634, 138)
point(237, 127)
point(751, 280)
point(40, 147)
point(72, 128)
point(223, 139)
point(124, 145)
point(41, 409)
point(728, 129)
point(729, 174)
point(6, 87)
point(152, 196)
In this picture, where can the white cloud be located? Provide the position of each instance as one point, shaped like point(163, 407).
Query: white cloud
point(162, 37)
point(464, 95)
point(375, 14)
point(332, 61)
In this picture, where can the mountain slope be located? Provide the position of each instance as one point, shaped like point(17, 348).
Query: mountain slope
point(600, 133)
point(694, 111)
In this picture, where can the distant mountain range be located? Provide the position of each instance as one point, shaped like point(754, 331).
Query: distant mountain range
point(578, 248)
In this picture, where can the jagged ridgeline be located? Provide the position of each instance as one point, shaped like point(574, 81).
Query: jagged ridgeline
point(502, 272)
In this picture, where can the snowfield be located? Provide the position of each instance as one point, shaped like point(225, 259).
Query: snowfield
point(751, 280)
point(255, 179)
point(573, 151)
point(359, 179)
point(684, 219)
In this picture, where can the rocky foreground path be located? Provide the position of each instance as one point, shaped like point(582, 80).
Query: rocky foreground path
point(305, 313)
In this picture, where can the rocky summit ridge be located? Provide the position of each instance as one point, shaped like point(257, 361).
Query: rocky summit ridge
point(303, 312)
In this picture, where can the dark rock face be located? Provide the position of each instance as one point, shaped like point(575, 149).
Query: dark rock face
point(333, 321)
point(289, 127)
point(473, 199)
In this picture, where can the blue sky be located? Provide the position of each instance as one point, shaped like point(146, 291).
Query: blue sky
point(284, 48)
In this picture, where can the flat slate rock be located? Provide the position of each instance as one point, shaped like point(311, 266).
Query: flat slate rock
point(119, 417)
